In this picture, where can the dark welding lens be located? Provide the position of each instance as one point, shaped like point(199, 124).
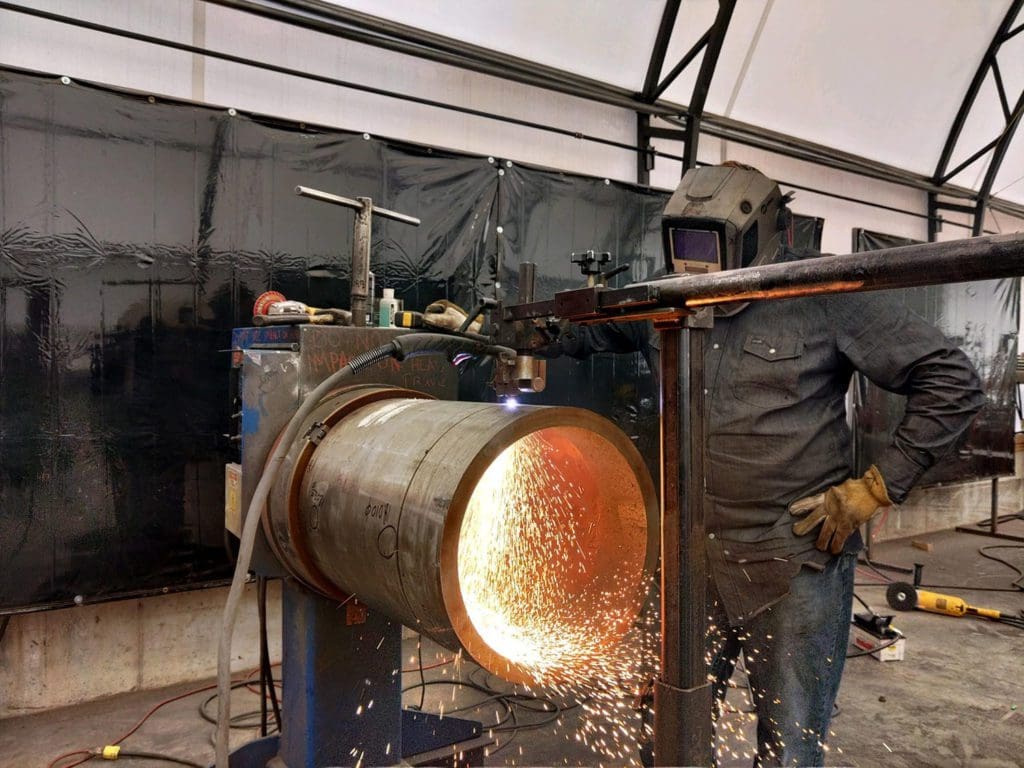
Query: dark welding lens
point(695, 245)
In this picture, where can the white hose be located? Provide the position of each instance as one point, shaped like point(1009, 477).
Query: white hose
point(401, 347)
point(248, 539)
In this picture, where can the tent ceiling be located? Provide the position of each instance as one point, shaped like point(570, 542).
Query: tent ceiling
point(876, 78)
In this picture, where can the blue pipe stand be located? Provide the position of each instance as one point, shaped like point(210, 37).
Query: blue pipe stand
point(341, 704)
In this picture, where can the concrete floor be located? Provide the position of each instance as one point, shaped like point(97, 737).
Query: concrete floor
point(956, 700)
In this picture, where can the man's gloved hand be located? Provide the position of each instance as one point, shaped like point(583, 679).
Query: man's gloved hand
point(549, 340)
point(841, 509)
point(449, 316)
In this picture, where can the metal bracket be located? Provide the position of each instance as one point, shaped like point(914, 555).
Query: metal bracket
point(702, 318)
point(317, 432)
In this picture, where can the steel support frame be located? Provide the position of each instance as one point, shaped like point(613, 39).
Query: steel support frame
point(711, 45)
point(645, 151)
point(683, 701)
point(695, 111)
point(997, 146)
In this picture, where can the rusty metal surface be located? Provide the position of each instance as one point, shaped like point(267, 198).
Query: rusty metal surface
point(325, 349)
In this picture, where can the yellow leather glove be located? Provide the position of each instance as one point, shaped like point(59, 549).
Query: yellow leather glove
point(841, 509)
point(449, 316)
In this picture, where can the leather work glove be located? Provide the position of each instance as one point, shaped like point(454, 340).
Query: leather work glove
point(449, 316)
point(841, 509)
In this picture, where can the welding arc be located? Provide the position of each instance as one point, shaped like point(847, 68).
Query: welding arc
point(401, 348)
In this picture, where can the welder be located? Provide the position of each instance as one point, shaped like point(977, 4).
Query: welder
point(783, 510)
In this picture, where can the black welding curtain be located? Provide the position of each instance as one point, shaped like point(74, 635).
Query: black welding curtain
point(134, 236)
point(982, 318)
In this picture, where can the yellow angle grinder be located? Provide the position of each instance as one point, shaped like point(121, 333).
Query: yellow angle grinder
point(907, 597)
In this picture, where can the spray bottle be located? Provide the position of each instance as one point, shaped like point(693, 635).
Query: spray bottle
point(388, 309)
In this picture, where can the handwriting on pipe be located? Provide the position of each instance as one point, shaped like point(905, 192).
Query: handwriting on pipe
point(326, 353)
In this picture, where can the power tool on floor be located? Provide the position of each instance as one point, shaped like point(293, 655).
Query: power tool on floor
point(907, 597)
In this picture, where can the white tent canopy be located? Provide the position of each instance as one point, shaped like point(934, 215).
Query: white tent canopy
point(880, 79)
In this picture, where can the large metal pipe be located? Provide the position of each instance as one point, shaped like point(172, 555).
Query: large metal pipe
point(472, 523)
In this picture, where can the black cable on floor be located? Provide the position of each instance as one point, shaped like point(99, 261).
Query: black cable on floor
point(961, 587)
point(122, 754)
point(423, 679)
point(266, 674)
point(860, 600)
point(876, 649)
point(983, 551)
point(261, 596)
point(238, 720)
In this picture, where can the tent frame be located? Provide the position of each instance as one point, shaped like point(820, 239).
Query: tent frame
point(998, 146)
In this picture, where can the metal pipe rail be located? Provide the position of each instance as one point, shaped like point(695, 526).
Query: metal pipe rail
point(356, 205)
point(978, 258)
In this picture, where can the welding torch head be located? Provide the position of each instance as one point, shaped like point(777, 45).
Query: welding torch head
point(532, 341)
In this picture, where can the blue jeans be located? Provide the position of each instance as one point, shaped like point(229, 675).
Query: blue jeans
point(794, 654)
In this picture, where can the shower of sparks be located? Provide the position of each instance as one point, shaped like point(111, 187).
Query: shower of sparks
point(553, 582)
point(534, 583)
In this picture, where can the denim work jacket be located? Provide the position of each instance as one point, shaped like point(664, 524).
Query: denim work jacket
point(776, 376)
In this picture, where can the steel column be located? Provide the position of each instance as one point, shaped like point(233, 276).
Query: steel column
point(342, 699)
point(644, 154)
point(664, 37)
point(695, 110)
point(683, 733)
point(985, 191)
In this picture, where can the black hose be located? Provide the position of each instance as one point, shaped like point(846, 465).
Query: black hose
point(157, 756)
point(374, 356)
point(876, 649)
point(239, 721)
point(266, 675)
point(984, 552)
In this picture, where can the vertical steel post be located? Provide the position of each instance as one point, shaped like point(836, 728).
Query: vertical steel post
point(343, 696)
point(682, 695)
point(994, 507)
point(527, 281)
point(644, 149)
point(361, 263)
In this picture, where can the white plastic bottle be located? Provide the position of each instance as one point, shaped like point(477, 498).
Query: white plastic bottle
point(387, 310)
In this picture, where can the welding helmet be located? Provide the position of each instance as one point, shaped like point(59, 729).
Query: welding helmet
point(724, 217)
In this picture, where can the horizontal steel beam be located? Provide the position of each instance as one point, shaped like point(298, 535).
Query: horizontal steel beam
point(956, 261)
